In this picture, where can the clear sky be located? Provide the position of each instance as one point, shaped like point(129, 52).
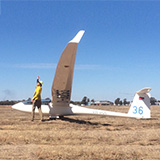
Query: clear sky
point(118, 55)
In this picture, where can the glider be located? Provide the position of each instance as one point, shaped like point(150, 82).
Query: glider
point(62, 86)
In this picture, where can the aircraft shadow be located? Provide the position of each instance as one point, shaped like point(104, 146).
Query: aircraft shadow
point(82, 121)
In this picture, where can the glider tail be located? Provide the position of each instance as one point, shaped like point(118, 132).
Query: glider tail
point(140, 107)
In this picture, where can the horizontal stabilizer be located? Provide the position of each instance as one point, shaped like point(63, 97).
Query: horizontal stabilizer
point(144, 91)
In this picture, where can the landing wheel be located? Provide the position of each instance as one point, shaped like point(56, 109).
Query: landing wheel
point(53, 117)
point(61, 117)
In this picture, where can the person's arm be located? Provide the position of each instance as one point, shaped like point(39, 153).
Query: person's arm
point(38, 79)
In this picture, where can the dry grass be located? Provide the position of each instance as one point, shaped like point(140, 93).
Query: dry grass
point(79, 137)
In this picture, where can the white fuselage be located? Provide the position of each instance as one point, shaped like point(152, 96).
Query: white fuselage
point(70, 110)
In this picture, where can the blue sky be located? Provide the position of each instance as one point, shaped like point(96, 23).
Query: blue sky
point(118, 55)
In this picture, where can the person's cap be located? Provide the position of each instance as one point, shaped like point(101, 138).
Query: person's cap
point(41, 82)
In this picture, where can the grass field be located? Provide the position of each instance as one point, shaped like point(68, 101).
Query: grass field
point(79, 137)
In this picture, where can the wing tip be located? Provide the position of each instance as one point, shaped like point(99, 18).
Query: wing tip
point(78, 37)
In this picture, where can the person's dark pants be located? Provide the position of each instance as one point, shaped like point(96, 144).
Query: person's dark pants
point(36, 103)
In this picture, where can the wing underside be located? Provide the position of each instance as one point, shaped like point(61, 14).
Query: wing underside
point(62, 84)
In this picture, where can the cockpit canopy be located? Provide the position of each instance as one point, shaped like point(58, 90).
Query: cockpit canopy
point(43, 102)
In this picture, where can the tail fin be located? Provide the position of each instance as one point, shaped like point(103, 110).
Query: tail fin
point(140, 107)
point(62, 84)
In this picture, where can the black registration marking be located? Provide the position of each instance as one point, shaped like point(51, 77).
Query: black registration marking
point(63, 95)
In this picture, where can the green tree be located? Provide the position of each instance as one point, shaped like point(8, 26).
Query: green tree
point(117, 101)
point(153, 101)
point(120, 102)
point(85, 100)
point(92, 100)
point(125, 102)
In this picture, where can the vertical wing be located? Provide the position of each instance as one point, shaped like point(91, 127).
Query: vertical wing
point(62, 84)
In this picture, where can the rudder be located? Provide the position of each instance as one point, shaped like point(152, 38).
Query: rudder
point(140, 108)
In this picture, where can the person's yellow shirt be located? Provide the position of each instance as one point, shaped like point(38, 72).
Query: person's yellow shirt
point(37, 93)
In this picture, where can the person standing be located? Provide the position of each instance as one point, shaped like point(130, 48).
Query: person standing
point(36, 100)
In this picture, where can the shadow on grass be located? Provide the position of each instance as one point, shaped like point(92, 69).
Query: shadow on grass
point(82, 121)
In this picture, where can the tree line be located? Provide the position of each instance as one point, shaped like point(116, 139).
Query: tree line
point(7, 102)
point(85, 101)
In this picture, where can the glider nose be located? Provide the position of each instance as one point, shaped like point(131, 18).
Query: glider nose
point(17, 106)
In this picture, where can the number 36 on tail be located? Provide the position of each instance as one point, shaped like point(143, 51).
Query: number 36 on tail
point(137, 110)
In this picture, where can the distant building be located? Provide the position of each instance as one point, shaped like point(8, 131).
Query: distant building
point(157, 103)
point(101, 103)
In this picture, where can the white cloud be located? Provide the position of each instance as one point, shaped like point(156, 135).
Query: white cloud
point(53, 65)
point(36, 65)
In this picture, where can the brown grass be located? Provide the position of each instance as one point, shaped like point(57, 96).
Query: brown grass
point(79, 137)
